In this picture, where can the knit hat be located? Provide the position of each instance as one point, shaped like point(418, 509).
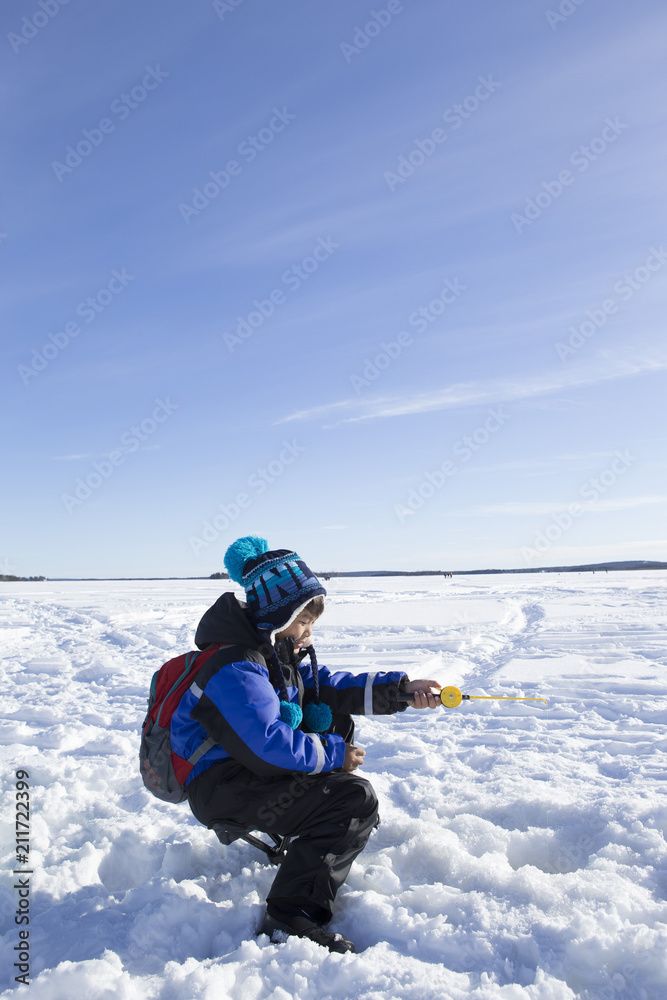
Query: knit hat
point(278, 586)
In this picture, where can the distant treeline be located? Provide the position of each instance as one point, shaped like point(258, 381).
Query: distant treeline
point(588, 568)
point(327, 575)
point(20, 579)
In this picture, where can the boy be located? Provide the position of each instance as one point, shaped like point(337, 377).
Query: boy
point(276, 735)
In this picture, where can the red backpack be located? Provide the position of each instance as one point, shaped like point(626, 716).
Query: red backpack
point(164, 773)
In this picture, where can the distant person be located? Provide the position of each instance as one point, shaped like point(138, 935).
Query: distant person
point(284, 761)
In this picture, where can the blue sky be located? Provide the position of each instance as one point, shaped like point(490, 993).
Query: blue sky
point(381, 283)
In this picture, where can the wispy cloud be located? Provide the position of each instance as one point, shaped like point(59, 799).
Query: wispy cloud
point(545, 507)
point(482, 393)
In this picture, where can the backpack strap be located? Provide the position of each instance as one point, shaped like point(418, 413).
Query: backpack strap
point(209, 742)
point(201, 750)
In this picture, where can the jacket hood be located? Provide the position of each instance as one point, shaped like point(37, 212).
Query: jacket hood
point(226, 621)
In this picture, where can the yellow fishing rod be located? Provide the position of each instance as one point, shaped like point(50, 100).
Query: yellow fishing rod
point(451, 697)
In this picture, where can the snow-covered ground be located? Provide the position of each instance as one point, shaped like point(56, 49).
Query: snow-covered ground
point(522, 849)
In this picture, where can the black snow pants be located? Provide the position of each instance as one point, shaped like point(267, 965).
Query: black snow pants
point(331, 817)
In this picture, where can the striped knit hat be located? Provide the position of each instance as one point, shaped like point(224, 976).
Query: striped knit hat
point(278, 586)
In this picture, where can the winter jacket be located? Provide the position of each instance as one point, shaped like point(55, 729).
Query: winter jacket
point(234, 702)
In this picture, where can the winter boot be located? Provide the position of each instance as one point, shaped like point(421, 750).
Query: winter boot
point(304, 926)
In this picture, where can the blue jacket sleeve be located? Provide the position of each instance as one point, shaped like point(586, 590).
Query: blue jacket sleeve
point(240, 710)
point(356, 694)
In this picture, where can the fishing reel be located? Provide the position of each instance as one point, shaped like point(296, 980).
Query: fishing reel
point(451, 697)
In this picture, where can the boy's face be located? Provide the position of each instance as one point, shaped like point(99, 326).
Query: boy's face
point(300, 630)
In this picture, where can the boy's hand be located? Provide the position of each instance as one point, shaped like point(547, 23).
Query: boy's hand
point(423, 691)
point(354, 757)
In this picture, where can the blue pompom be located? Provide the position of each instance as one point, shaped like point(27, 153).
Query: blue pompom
point(318, 718)
point(240, 551)
point(290, 713)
